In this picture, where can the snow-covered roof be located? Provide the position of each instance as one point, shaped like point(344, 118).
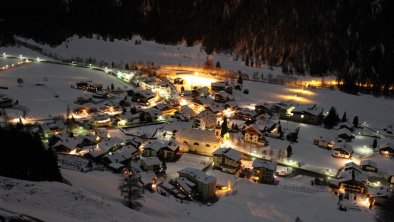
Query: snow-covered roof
point(152, 112)
point(197, 135)
point(386, 145)
point(198, 175)
point(347, 125)
point(185, 183)
point(343, 146)
point(312, 109)
point(254, 127)
point(122, 154)
point(352, 165)
point(172, 145)
point(150, 161)
point(345, 131)
point(368, 163)
point(97, 152)
point(147, 177)
point(257, 163)
point(116, 166)
point(109, 143)
point(265, 124)
point(204, 100)
point(154, 145)
point(205, 113)
point(69, 143)
point(229, 152)
point(89, 137)
point(348, 175)
point(216, 107)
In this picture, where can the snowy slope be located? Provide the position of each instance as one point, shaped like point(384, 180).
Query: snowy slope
point(123, 51)
point(94, 197)
point(52, 201)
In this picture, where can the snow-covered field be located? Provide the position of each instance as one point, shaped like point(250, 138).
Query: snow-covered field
point(40, 100)
point(122, 51)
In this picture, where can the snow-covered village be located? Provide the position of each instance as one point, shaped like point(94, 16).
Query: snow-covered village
point(136, 130)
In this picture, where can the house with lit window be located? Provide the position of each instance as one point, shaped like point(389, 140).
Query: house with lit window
point(196, 183)
point(66, 145)
point(105, 146)
point(150, 164)
point(88, 86)
point(203, 142)
point(369, 165)
point(386, 149)
point(227, 159)
point(263, 171)
point(304, 113)
point(342, 150)
point(122, 154)
point(352, 181)
point(347, 125)
point(205, 120)
point(345, 134)
point(102, 120)
point(166, 151)
point(253, 134)
point(324, 142)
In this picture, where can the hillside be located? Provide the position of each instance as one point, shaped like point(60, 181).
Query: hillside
point(351, 39)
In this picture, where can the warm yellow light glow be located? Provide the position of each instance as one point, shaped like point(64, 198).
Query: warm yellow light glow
point(122, 122)
point(183, 102)
point(228, 112)
point(197, 80)
point(301, 91)
point(295, 98)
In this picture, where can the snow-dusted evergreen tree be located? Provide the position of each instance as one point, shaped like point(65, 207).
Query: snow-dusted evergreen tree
point(131, 191)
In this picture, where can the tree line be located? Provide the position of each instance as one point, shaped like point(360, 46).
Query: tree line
point(351, 39)
point(23, 156)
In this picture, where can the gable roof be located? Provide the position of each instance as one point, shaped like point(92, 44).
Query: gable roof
point(198, 175)
point(349, 175)
point(69, 143)
point(311, 109)
point(345, 131)
point(343, 146)
point(257, 163)
point(109, 143)
point(122, 154)
point(155, 145)
point(368, 163)
point(229, 152)
point(150, 161)
point(352, 165)
point(386, 145)
point(172, 145)
point(255, 128)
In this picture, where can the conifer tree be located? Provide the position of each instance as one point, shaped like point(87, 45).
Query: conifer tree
point(355, 121)
point(289, 151)
point(330, 120)
point(224, 127)
point(131, 191)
